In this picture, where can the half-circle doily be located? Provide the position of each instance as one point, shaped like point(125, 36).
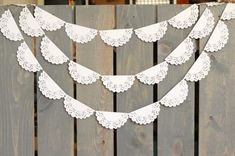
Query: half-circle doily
point(82, 74)
point(26, 59)
point(182, 53)
point(111, 120)
point(116, 37)
point(79, 33)
point(9, 27)
point(146, 114)
point(176, 96)
point(152, 33)
point(76, 109)
point(229, 12)
point(49, 88)
point(51, 52)
point(118, 83)
point(46, 20)
point(28, 24)
point(154, 74)
point(204, 25)
point(186, 18)
point(199, 69)
point(218, 38)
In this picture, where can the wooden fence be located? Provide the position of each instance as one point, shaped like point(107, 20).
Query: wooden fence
point(32, 125)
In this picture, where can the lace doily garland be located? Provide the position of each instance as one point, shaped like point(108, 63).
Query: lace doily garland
point(28, 24)
point(199, 69)
point(146, 114)
point(154, 74)
point(176, 95)
point(26, 59)
point(182, 53)
point(152, 33)
point(79, 33)
point(186, 18)
point(49, 88)
point(111, 120)
point(9, 27)
point(51, 52)
point(82, 74)
point(46, 20)
point(76, 109)
point(204, 26)
point(218, 38)
point(118, 83)
point(116, 37)
point(229, 12)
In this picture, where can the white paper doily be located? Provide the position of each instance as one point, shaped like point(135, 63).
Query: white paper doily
point(199, 69)
point(9, 27)
point(116, 37)
point(182, 53)
point(51, 52)
point(176, 96)
point(49, 88)
point(82, 74)
point(229, 12)
point(79, 33)
point(26, 59)
point(204, 26)
point(154, 74)
point(146, 114)
point(28, 24)
point(76, 109)
point(186, 18)
point(152, 33)
point(111, 120)
point(46, 20)
point(218, 38)
point(118, 83)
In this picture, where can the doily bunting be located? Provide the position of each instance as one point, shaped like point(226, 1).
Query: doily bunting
point(117, 83)
point(113, 37)
point(113, 120)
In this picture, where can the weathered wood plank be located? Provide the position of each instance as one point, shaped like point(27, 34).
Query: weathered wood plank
point(17, 99)
point(217, 109)
point(135, 56)
point(55, 126)
point(92, 139)
point(175, 125)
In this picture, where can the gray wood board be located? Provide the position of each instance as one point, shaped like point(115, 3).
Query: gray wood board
point(55, 126)
point(92, 138)
point(17, 98)
point(175, 125)
point(132, 58)
point(217, 109)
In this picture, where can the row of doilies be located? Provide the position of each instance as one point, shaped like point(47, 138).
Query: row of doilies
point(144, 115)
point(34, 26)
point(121, 83)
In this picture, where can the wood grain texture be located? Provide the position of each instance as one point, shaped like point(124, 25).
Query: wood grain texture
point(175, 125)
point(55, 126)
point(132, 58)
point(16, 99)
point(217, 109)
point(92, 138)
